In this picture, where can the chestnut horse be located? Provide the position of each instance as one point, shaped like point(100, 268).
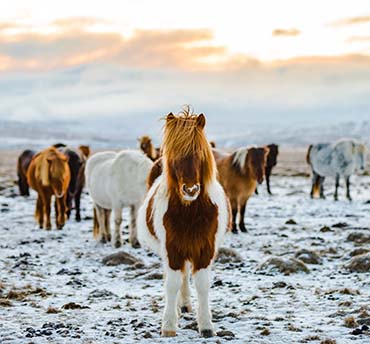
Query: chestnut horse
point(184, 218)
point(148, 148)
point(49, 175)
point(76, 162)
point(239, 174)
point(23, 163)
point(270, 164)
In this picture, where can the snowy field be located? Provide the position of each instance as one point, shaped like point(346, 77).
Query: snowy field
point(54, 287)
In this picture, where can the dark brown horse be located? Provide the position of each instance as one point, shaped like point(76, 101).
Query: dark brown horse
point(239, 174)
point(271, 162)
point(23, 163)
point(76, 163)
point(49, 175)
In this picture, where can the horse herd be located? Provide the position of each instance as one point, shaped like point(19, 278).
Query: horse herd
point(183, 197)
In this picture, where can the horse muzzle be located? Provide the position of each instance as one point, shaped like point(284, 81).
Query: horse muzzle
point(190, 194)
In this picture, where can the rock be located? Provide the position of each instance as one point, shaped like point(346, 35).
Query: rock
point(326, 229)
point(284, 265)
point(73, 305)
point(154, 276)
point(358, 251)
point(279, 284)
point(340, 225)
point(359, 237)
point(121, 258)
point(290, 222)
point(364, 321)
point(308, 257)
point(228, 255)
point(101, 294)
point(360, 263)
point(225, 333)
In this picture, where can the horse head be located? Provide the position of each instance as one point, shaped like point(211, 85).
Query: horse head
point(189, 163)
point(256, 162)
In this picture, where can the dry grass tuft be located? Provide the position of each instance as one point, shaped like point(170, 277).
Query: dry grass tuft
point(350, 322)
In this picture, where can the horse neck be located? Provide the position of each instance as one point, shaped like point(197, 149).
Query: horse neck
point(152, 153)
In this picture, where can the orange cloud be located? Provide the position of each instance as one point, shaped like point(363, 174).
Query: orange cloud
point(145, 49)
point(351, 21)
point(286, 32)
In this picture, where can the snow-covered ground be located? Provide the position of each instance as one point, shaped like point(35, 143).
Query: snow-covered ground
point(43, 271)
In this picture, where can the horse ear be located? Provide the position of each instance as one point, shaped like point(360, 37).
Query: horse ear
point(267, 150)
point(201, 121)
point(170, 117)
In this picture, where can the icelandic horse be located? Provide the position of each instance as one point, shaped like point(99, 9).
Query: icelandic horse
point(23, 164)
point(116, 180)
point(239, 174)
point(339, 159)
point(184, 218)
point(146, 145)
point(49, 175)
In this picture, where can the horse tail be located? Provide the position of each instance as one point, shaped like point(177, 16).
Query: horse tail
point(44, 170)
point(308, 154)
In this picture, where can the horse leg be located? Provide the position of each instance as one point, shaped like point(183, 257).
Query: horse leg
point(321, 183)
point(172, 286)
point(348, 188)
point(69, 204)
point(77, 204)
point(202, 284)
point(234, 212)
point(241, 218)
point(56, 207)
point(315, 180)
point(256, 190)
point(108, 235)
point(39, 214)
point(95, 224)
point(61, 212)
point(100, 214)
point(184, 299)
point(268, 173)
point(47, 205)
point(133, 229)
point(117, 237)
point(336, 187)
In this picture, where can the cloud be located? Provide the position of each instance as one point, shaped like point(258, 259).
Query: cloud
point(286, 32)
point(351, 21)
point(355, 39)
point(144, 49)
point(78, 23)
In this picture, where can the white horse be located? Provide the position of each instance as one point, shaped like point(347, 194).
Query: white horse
point(340, 159)
point(116, 180)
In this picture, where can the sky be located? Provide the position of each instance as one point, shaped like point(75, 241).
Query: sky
point(237, 61)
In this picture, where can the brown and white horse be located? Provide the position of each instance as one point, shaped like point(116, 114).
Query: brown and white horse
point(49, 175)
point(148, 148)
point(239, 174)
point(184, 218)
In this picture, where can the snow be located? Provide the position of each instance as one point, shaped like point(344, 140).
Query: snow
point(67, 264)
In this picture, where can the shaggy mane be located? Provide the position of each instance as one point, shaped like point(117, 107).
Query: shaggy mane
point(183, 138)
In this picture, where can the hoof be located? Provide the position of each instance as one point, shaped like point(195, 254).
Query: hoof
point(60, 227)
point(168, 333)
point(48, 228)
point(235, 231)
point(185, 309)
point(78, 219)
point(207, 333)
point(117, 244)
point(135, 244)
point(243, 229)
point(103, 240)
